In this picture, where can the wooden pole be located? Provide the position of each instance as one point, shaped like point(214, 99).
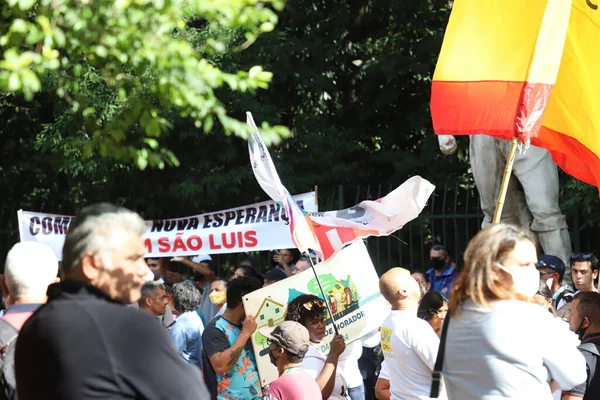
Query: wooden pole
point(317, 196)
point(505, 180)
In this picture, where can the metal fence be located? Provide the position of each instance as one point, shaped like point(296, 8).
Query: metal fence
point(452, 217)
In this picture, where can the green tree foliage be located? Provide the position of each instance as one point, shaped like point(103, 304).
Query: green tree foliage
point(119, 67)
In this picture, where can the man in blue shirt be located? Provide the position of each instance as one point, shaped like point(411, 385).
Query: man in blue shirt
point(442, 274)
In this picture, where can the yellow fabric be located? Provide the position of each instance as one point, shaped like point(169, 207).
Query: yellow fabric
point(574, 106)
point(497, 39)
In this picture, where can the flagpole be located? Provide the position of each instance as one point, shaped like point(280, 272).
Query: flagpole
point(323, 293)
point(505, 179)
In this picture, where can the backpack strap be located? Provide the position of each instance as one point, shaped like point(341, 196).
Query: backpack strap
point(439, 362)
point(590, 347)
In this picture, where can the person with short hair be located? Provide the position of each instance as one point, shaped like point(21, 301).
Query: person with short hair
point(153, 299)
point(85, 342)
point(584, 271)
point(499, 344)
point(585, 322)
point(552, 269)
point(409, 344)
point(286, 260)
point(201, 263)
point(288, 343)
point(29, 269)
point(229, 363)
point(302, 265)
point(154, 267)
point(442, 273)
point(188, 328)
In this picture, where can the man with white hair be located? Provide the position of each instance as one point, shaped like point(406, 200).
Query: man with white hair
point(84, 342)
point(29, 269)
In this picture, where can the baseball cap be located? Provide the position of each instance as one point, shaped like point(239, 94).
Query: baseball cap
point(290, 335)
point(275, 274)
point(200, 258)
point(552, 262)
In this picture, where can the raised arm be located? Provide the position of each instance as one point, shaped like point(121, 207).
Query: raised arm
point(224, 360)
point(201, 268)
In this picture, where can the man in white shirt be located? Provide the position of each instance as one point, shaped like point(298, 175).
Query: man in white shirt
point(409, 344)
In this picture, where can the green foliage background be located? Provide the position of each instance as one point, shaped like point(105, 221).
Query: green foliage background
point(350, 80)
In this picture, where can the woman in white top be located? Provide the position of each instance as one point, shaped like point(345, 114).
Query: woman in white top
point(499, 343)
point(309, 310)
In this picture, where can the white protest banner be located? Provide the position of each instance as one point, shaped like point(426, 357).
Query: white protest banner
point(328, 232)
point(261, 226)
point(352, 286)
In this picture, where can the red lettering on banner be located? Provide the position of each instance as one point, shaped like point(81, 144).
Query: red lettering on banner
point(194, 243)
point(232, 240)
point(163, 245)
point(211, 241)
point(226, 244)
point(179, 245)
point(148, 245)
point(251, 240)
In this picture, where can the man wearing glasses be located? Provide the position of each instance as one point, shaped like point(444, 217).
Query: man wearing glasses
point(552, 271)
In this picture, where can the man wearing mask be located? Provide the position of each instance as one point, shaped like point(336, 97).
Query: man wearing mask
point(218, 295)
point(585, 322)
point(442, 274)
point(552, 271)
point(288, 343)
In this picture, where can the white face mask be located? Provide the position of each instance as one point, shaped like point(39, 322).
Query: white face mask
point(526, 281)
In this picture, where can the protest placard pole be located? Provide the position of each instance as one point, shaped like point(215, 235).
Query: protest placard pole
point(325, 298)
point(317, 196)
point(505, 179)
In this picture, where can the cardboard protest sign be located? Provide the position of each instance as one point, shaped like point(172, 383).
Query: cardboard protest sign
point(351, 285)
point(261, 226)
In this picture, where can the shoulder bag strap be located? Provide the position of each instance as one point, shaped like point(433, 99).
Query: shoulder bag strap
point(439, 361)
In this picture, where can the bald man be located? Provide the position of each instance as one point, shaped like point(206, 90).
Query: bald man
point(409, 344)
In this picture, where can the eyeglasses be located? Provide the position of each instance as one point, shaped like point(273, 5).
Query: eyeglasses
point(581, 256)
point(314, 303)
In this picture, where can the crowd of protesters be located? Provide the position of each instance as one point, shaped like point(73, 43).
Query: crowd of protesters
point(114, 324)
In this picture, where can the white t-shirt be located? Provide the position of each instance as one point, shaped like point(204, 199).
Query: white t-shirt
point(372, 339)
point(383, 373)
point(507, 351)
point(348, 364)
point(313, 364)
point(410, 348)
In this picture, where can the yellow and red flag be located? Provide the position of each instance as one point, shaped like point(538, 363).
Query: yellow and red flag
point(528, 69)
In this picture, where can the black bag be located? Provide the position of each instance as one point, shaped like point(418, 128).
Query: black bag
point(8, 343)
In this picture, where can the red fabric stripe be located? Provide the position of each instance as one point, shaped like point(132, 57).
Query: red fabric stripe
point(569, 154)
point(490, 107)
point(469, 108)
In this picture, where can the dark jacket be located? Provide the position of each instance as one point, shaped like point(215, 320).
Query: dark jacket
point(82, 345)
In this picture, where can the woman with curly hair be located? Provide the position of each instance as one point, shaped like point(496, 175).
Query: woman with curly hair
point(310, 311)
point(433, 309)
point(499, 343)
